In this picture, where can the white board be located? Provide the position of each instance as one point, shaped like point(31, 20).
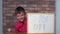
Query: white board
point(40, 23)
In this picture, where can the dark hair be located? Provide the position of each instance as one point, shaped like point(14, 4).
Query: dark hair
point(19, 9)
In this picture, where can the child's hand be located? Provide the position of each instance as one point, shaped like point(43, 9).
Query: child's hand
point(9, 30)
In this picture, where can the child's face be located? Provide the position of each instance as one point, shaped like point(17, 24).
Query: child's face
point(20, 16)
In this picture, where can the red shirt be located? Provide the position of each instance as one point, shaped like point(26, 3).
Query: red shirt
point(20, 27)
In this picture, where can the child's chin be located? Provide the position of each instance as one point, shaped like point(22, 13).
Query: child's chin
point(21, 20)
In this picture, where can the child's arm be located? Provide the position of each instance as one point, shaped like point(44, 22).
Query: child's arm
point(17, 27)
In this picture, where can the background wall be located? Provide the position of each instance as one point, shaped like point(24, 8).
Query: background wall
point(31, 6)
point(1, 17)
point(57, 16)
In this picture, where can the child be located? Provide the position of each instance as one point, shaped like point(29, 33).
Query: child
point(21, 25)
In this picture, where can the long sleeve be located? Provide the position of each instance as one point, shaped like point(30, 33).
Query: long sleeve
point(17, 27)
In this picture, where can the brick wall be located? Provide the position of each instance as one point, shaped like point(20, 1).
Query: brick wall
point(30, 6)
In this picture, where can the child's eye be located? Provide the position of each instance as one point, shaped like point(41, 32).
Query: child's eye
point(22, 15)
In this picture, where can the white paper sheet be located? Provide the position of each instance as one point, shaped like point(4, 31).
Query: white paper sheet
point(40, 23)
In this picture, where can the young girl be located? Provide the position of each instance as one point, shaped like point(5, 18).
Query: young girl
point(21, 25)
